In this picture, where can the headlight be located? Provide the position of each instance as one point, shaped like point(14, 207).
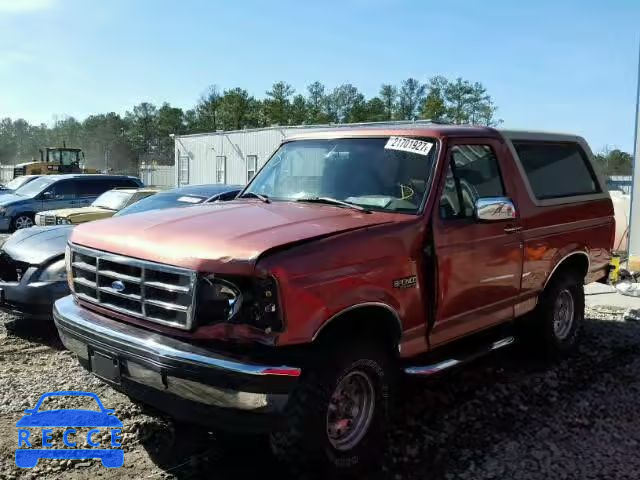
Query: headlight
point(67, 266)
point(219, 299)
point(56, 272)
point(239, 300)
point(62, 221)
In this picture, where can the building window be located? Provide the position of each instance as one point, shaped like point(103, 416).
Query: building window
point(252, 166)
point(221, 169)
point(183, 170)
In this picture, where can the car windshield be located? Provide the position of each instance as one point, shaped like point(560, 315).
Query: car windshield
point(17, 182)
point(33, 188)
point(387, 174)
point(112, 200)
point(58, 402)
point(162, 200)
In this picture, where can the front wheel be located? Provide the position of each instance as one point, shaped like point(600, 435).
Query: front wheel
point(22, 221)
point(337, 416)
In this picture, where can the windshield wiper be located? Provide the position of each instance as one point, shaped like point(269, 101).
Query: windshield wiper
point(334, 201)
point(259, 196)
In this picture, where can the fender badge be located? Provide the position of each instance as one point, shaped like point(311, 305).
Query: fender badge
point(406, 282)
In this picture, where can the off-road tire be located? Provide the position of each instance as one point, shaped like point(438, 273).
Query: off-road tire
point(304, 444)
point(552, 340)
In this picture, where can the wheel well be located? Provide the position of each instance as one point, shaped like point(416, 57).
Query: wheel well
point(577, 262)
point(370, 321)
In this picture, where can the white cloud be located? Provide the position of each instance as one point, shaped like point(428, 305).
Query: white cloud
point(22, 6)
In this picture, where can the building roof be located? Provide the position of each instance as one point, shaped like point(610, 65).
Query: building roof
point(419, 127)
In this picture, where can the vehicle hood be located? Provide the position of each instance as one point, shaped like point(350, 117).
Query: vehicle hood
point(12, 199)
point(69, 418)
point(220, 236)
point(37, 245)
point(82, 214)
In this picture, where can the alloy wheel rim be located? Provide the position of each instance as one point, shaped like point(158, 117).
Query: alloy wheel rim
point(350, 410)
point(23, 222)
point(563, 313)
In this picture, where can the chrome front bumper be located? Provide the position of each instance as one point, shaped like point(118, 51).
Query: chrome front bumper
point(172, 367)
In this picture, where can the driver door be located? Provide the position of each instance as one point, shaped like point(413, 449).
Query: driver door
point(61, 194)
point(479, 263)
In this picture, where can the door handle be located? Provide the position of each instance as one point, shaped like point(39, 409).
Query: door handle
point(512, 229)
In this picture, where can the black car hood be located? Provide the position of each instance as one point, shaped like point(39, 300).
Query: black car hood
point(36, 245)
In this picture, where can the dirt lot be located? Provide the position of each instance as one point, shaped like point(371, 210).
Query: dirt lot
point(502, 418)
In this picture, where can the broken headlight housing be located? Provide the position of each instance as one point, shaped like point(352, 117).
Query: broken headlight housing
point(239, 300)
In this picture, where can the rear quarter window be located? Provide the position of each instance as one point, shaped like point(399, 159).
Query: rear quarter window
point(557, 169)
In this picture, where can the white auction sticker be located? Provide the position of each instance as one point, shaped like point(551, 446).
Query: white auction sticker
point(409, 145)
point(188, 199)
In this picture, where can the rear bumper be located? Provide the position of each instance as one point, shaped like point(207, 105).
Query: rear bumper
point(190, 382)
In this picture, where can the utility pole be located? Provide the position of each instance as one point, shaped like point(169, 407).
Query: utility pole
point(634, 215)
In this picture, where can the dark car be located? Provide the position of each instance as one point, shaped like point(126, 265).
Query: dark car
point(32, 270)
point(51, 192)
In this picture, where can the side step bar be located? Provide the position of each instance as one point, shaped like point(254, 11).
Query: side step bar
point(438, 367)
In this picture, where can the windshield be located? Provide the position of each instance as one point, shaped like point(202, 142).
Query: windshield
point(65, 157)
point(162, 200)
point(32, 189)
point(390, 174)
point(17, 182)
point(112, 200)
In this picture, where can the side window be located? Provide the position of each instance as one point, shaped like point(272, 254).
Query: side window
point(63, 190)
point(473, 173)
point(223, 197)
point(86, 187)
point(122, 183)
point(556, 170)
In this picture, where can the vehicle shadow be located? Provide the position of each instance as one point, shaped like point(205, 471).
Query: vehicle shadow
point(194, 453)
point(37, 331)
point(440, 426)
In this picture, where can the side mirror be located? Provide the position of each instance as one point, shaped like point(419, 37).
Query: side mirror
point(47, 195)
point(495, 209)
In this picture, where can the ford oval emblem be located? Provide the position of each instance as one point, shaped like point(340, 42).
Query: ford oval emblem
point(118, 286)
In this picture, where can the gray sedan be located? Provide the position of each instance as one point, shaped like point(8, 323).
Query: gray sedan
point(32, 269)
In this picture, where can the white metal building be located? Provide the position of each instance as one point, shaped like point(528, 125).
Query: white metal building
point(227, 157)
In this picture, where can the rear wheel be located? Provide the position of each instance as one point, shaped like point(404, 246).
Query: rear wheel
point(22, 221)
point(558, 319)
point(337, 416)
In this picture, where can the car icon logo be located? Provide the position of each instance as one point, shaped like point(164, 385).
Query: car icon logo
point(39, 443)
point(118, 286)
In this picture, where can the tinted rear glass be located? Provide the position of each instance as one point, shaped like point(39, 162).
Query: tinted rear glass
point(556, 170)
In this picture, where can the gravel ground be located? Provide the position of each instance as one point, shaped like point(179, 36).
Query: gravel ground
point(505, 417)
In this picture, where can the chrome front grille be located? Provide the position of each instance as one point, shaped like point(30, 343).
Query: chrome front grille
point(152, 291)
point(44, 219)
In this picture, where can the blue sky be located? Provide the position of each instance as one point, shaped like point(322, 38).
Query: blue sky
point(568, 65)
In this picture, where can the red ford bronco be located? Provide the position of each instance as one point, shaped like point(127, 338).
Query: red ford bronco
point(354, 255)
